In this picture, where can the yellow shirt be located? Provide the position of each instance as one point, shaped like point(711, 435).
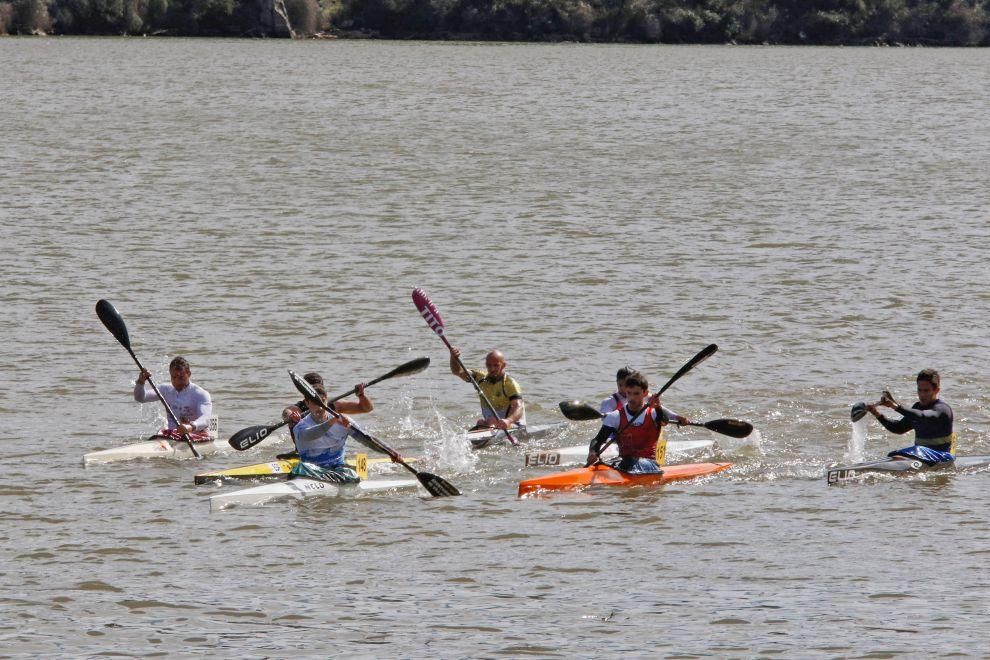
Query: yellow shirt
point(500, 392)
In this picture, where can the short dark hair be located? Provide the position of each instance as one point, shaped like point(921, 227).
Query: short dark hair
point(313, 379)
point(931, 376)
point(636, 379)
point(179, 362)
point(623, 373)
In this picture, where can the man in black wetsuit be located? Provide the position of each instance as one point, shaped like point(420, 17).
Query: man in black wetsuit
point(930, 417)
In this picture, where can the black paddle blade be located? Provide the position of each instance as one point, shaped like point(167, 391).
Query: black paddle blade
point(733, 428)
point(252, 435)
point(437, 486)
point(113, 322)
point(407, 369)
point(304, 388)
point(578, 411)
point(858, 412)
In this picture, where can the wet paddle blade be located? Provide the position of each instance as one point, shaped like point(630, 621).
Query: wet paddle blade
point(579, 411)
point(437, 486)
point(733, 428)
point(858, 412)
point(113, 322)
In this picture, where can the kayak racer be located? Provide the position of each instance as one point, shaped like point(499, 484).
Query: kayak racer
point(502, 391)
point(321, 439)
point(190, 402)
point(638, 424)
point(930, 418)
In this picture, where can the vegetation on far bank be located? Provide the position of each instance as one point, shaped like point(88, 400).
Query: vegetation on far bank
point(850, 22)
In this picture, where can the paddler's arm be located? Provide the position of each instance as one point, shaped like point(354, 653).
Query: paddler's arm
point(516, 409)
point(202, 422)
point(141, 393)
point(936, 412)
point(900, 426)
point(363, 405)
point(455, 367)
point(594, 449)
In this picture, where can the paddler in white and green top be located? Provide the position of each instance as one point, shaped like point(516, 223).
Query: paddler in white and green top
point(501, 389)
point(321, 439)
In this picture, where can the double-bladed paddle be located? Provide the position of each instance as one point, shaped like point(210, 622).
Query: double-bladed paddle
point(702, 355)
point(735, 428)
point(111, 318)
point(431, 315)
point(436, 486)
point(252, 435)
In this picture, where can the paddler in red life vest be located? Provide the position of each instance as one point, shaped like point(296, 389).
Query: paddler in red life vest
point(638, 441)
point(618, 398)
point(501, 389)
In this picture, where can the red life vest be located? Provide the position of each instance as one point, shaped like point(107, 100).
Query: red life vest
point(638, 441)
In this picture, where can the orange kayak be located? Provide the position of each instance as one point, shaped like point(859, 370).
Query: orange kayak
point(603, 475)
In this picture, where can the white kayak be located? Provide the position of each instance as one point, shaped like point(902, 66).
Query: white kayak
point(160, 448)
point(901, 465)
point(302, 488)
point(579, 453)
point(481, 438)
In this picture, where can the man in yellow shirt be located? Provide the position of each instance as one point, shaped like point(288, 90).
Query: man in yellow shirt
point(501, 389)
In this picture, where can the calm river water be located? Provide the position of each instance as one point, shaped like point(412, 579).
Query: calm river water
point(820, 214)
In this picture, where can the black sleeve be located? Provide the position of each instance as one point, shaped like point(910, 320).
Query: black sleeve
point(604, 433)
point(901, 426)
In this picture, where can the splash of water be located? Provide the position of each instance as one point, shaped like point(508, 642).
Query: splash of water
point(857, 441)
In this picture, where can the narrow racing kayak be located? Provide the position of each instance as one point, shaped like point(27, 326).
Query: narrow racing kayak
point(160, 448)
point(484, 437)
point(303, 488)
point(604, 475)
point(279, 468)
point(901, 465)
point(579, 453)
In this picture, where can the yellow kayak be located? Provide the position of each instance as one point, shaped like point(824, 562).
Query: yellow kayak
point(279, 468)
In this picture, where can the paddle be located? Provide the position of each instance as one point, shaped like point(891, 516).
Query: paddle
point(252, 435)
point(436, 486)
point(734, 428)
point(115, 324)
point(431, 315)
point(859, 411)
point(702, 355)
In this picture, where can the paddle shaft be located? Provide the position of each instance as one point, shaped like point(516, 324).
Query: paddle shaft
point(104, 308)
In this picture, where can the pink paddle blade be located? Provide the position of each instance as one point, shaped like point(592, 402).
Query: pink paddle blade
point(428, 310)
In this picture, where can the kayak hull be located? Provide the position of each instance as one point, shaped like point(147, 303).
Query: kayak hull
point(160, 448)
point(306, 488)
point(486, 437)
point(899, 465)
point(277, 469)
point(579, 453)
point(603, 475)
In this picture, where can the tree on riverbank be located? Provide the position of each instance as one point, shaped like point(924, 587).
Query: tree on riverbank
point(851, 22)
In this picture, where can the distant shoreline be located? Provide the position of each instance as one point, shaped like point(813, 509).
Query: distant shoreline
point(917, 23)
